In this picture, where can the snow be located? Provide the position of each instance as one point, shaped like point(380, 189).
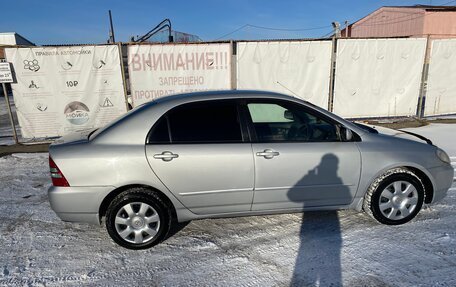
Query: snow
point(311, 249)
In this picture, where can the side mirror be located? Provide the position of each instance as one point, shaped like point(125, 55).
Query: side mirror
point(288, 115)
point(348, 134)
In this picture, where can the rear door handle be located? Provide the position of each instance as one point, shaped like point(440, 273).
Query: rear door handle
point(166, 156)
point(268, 153)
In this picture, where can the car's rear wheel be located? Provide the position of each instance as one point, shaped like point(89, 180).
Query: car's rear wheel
point(395, 197)
point(138, 219)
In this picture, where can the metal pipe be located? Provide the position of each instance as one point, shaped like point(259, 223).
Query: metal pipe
point(113, 39)
point(156, 29)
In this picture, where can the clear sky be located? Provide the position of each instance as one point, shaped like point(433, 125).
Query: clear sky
point(86, 21)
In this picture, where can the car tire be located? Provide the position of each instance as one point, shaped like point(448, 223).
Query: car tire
point(138, 219)
point(395, 197)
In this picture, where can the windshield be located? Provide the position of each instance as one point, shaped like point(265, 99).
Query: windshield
point(366, 128)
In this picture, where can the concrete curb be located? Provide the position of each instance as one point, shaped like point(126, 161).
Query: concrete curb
point(19, 148)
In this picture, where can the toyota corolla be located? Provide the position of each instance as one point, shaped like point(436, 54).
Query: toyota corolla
point(237, 153)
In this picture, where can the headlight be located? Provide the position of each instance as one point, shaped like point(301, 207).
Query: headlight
point(442, 155)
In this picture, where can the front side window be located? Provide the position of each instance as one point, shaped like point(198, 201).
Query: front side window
point(203, 122)
point(275, 122)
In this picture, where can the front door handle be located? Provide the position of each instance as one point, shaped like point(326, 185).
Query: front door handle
point(166, 156)
point(268, 153)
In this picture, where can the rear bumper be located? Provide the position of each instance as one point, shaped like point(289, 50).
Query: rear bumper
point(78, 204)
point(443, 179)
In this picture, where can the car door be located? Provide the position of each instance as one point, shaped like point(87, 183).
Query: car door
point(200, 153)
point(301, 159)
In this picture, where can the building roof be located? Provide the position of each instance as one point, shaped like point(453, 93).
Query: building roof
point(426, 7)
point(418, 7)
point(19, 39)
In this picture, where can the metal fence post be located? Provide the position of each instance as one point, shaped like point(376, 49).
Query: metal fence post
point(10, 112)
point(332, 74)
point(233, 50)
point(122, 68)
point(424, 79)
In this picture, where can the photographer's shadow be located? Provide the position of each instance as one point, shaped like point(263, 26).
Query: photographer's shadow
point(318, 260)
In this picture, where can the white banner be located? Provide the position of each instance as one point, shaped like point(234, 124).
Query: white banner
point(65, 89)
point(378, 77)
point(441, 87)
point(299, 69)
point(159, 70)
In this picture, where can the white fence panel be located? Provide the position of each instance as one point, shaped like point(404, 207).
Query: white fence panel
point(60, 90)
point(299, 69)
point(441, 88)
point(378, 77)
point(159, 70)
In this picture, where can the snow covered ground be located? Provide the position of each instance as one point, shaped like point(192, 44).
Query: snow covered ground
point(311, 249)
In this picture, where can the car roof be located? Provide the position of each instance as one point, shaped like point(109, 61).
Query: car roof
point(138, 122)
point(221, 94)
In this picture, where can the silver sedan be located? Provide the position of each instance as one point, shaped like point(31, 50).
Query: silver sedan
point(237, 153)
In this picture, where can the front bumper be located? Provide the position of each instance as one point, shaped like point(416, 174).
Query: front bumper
point(443, 179)
point(78, 204)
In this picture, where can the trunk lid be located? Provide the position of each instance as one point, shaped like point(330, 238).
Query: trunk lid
point(75, 137)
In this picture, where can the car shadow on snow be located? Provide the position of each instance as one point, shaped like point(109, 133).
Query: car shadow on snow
point(318, 261)
point(176, 227)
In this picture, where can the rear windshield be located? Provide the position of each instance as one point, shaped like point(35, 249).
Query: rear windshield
point(98, 131)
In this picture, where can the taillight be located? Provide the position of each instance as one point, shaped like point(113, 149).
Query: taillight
point(58, 179)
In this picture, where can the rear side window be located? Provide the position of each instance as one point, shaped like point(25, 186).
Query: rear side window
point(202, 122)
point(160, 133)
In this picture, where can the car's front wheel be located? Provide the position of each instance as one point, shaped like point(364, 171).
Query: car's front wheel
point(395, 197)
point(138, 219)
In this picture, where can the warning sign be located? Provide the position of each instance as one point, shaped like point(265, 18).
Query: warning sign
point(107, 103)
